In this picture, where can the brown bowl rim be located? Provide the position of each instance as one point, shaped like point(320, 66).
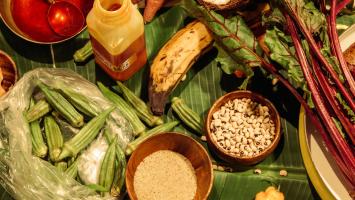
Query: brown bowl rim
point(12, 63)
point(236, 159)
point(183, 135)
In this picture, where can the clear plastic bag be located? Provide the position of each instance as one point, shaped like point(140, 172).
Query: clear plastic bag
point(25, 176)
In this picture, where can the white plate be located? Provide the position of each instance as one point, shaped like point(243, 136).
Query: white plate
point(326, 173)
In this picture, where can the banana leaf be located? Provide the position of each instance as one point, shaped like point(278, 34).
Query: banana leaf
point(204, 84)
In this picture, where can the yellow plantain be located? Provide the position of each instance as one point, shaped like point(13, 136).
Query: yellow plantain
point(174, 60)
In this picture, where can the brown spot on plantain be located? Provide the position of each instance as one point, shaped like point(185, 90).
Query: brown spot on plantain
point(163, 57)
point(203, 38)
point(171, 67)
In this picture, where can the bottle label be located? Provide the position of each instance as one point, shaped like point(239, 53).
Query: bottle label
point(120, 62)
point(117, 68)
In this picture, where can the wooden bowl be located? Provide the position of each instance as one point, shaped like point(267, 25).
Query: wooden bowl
point(246, 160)
point(179, 143)
point(8, 70)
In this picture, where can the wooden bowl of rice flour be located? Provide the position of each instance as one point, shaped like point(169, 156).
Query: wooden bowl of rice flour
point(169, 166)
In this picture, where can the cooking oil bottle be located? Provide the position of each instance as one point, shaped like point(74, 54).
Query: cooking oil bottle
point(116, 31)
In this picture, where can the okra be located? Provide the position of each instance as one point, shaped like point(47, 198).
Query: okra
point(82, 54)
point(37, 111)
point(120, 174)
point(143, 111)
point(67, 130)
point(126, 110)
point(159, 129)
point(54, 137)
point(61, 105)
point(85, 136)
point(61, 166)
point(72, 170)
point(108, 166)
point(80, 102)
point(119, 177)
point(187, 115)
point(39, 148)
point(97, 188)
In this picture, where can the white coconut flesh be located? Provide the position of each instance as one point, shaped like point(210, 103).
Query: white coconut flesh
point(218, 2)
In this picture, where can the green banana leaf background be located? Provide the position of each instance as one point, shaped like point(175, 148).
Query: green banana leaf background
point(204, 84)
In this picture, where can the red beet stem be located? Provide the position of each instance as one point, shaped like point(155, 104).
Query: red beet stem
point(343, 147)
point(313, 45)
point(315, 121)
point(328, 92)
point(341, 5)
point(338, 51)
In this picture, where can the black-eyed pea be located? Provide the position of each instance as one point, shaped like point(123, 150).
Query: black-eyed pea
point(226, 137)
point(258, 139)
point(266, 109)
point(253, 148)
point(236, 150)
point(228, 143)
point(267, 136)
point(234, 118)
point(217, 122)
point(262, 130)
point(215, 115)
point(252, 135)
point(247, 148)
point(244, 141)
point(262, 141)
point(266, 120)
point(220, 144)
point(222, 111)
point(238, 138)
point(240, 121)
point(220, 138)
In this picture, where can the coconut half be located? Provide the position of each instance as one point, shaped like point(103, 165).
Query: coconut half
point(223, 4)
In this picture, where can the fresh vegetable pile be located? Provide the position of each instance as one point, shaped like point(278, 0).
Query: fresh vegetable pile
point(53, 122)
point(64, 155)
point(303, 52)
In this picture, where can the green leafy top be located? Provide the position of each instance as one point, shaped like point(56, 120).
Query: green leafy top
point(237, 46)
point(307, 13)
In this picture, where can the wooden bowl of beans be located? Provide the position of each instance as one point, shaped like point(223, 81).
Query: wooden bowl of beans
point(169, 166)
point(242, 127)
